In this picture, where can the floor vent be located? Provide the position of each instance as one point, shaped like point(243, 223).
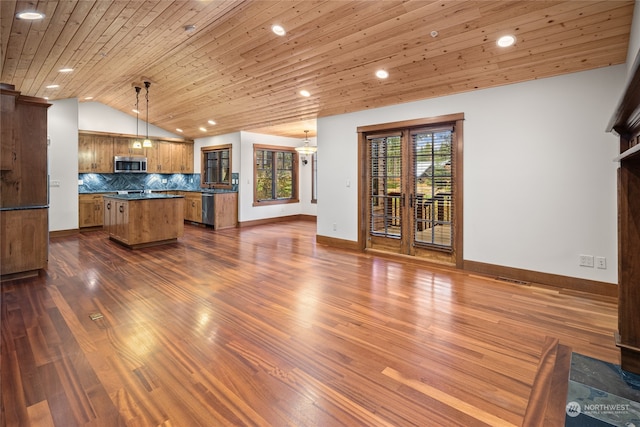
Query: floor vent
point(96, 316)
point(516, 281)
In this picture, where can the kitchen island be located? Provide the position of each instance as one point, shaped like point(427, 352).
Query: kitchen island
point(144, 219)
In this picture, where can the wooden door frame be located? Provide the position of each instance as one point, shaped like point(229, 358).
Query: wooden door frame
point(458, 216)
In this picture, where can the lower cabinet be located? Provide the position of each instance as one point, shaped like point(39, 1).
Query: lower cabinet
point(116, 219)
point(192, 206)
point(90, 210)
point(225, 209)
point(25, 240)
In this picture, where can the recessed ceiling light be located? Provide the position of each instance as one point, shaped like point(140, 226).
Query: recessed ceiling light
point(30, 15)
point(305, 93)
point(46, 97)
point(382, 74)
point(136, 111)
point(88, 98)
point(189, 28)
point(203, 129)
point(278, 30)
point(65, 70)
point(179, 130)
point(52, 86)
point(211, 122)
point(506, 41)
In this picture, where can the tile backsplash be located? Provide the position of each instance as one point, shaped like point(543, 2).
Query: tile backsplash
point(106, 182)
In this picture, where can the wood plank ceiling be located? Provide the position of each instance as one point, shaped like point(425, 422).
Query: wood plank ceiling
point(234, 70)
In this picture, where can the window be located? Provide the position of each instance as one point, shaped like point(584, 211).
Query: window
point(433, 186)
point(216, 166)
point(275, 175)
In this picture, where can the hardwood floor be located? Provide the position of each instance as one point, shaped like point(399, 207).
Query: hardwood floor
point(261, 326)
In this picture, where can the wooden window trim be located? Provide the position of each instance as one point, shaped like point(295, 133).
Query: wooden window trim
point(296, 178)
point(362, 131)
point(203, 165)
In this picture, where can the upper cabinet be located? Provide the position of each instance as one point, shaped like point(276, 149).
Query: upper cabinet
point(8, 155)
point(96, 151)
point(182, 158)
point(159, 157)
point(24, 144)
point(123, 146)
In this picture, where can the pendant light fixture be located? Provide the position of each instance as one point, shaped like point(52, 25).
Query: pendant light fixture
point(137, 143)
point(147, 141)
point(306, 149)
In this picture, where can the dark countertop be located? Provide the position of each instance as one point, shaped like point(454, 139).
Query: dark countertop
point(23, 208)
point(143, 196)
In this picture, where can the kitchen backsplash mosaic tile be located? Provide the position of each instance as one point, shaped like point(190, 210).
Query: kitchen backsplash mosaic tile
point(106, 182)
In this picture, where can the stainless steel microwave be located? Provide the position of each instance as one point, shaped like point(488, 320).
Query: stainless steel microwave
point(122, 164)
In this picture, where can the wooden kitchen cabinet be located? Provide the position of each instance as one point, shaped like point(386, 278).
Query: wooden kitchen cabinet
point(25, 240)
point(192, 206)
point(95, 153)
point(109, 215)
point(123, 146)
point(225, 207)
point(90, 210)
point(159, 157)
point(24, 219)
point(116, 219)
point(181, 157)
point(145, 220)
point(8, 154)
point(26, 183)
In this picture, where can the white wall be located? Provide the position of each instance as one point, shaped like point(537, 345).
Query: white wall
point(539, 180)
point(248, 212)
point(230, 138)
point(62, 129)
point(98, 117)
point(242, 163)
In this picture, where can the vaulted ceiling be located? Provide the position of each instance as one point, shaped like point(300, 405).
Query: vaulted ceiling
point(219, 60)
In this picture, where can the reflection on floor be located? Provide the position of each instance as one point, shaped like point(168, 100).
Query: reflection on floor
point(601, 394)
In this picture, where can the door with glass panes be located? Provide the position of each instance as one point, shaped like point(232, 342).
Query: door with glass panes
point(410, 190)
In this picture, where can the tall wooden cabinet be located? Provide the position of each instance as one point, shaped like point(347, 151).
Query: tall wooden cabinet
point(23, 183)
point(626, 123)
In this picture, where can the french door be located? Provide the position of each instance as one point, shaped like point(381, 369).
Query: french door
point(410, 191)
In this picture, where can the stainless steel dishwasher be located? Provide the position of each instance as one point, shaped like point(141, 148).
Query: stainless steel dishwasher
point(207, 208)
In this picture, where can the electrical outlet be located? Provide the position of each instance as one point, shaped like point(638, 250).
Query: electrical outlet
point(601, 262)
point(586, 260)
point(54, 183)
